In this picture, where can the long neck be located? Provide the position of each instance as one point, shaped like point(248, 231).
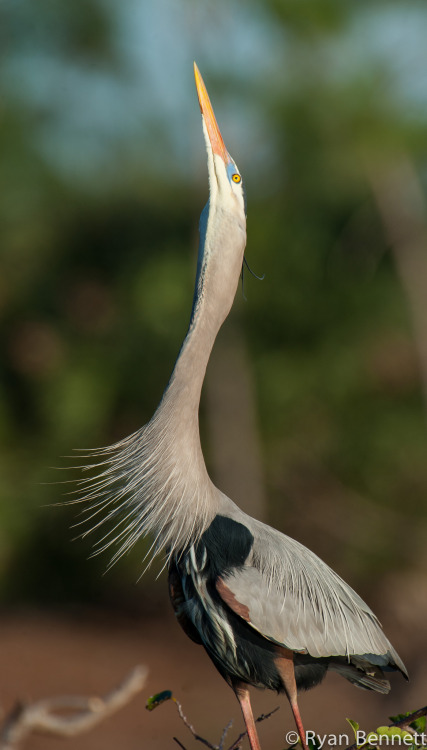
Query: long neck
point(188, 375)
point(220, 261)
point(156, 479)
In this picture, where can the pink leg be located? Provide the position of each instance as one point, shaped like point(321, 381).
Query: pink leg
point(242, 693)
point(285, 666)
point(298, 722)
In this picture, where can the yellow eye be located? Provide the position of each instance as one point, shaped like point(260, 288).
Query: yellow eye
point(236, 178)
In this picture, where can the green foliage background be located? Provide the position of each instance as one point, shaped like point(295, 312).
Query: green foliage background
point(101, 182)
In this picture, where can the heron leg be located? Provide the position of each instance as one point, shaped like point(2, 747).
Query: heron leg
point(242, 694)
point(285, 665)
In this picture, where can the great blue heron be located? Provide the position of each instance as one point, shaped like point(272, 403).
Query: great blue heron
point(267, 610)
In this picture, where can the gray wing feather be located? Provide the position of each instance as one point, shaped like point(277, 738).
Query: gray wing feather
point(296, 600)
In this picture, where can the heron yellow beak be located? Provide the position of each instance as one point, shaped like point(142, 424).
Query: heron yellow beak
point(215, 137)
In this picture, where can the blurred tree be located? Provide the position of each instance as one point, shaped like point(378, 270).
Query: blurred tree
point(98, 236)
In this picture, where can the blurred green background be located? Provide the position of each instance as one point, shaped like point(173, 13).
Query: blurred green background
point(102, 180)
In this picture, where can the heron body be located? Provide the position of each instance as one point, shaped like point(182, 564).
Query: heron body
point(268, 611)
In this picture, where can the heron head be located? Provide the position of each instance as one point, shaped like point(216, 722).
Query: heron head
point(225, 180)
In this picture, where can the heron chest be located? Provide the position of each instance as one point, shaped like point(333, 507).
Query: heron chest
point(193, 577)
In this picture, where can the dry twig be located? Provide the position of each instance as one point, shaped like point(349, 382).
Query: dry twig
point(192, 730)
point(263, 717)
point(234, 746)
point(24, 719)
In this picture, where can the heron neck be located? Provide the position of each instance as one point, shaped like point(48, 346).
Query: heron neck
point(189, 372)
point(220, 259)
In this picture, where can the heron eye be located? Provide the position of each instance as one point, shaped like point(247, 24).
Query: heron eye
point(236, 178)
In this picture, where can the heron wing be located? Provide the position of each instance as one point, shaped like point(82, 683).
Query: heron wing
point(294, 599)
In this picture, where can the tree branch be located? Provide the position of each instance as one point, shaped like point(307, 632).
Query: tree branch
point(191, 728)
point(234, 746)
point(407, 720)
point(24, 719)
point(241, 736)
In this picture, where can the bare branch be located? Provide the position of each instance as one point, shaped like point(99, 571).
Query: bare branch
point(236, 743)
point(191, 728)
point(224, 734)
point(38, 717)
point(263, 717)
